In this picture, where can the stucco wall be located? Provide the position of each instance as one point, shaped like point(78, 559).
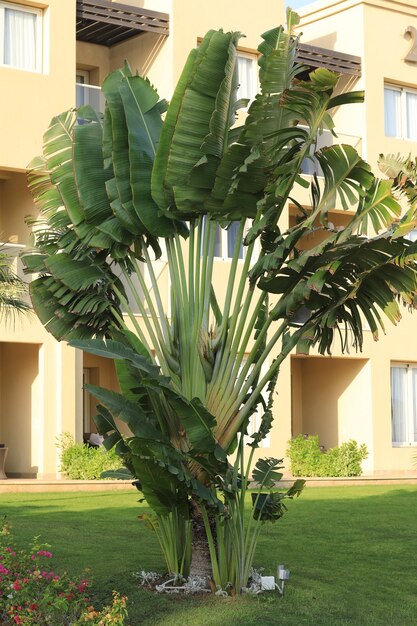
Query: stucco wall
point(30, 99)
point(19, 396)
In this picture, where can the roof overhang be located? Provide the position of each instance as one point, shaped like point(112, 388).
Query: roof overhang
point(313, 56)
point(108, 23)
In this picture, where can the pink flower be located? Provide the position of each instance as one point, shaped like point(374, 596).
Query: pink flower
point(44, 553)
point(82, 586)
point(16, 585)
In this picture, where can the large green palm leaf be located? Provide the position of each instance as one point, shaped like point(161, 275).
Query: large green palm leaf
point(195, 132)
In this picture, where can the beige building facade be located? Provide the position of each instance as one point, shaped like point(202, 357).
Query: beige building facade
point(369, 397)
point(69, 49)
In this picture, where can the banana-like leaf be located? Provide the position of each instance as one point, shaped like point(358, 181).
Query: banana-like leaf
point(403, 174)
point(198, 423)
point(350, 97)
point(142, 111)
point(90, 175)
point(267, 418)
point(157, 484)
point(269, 507)
point(345, 174)
point(266, 472)
point(116, 350)
point(129, 412)
point(195, 130)
point(116, 149)
point(73, 299)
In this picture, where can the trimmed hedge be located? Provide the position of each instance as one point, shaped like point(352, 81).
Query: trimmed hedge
point(307, 459)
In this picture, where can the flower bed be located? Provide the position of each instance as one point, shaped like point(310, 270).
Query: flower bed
point(33, 594)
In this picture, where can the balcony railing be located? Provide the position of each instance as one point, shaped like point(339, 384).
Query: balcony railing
point(89, 94)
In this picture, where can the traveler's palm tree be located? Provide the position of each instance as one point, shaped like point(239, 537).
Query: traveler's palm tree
point(115, 189)
point(12, 289)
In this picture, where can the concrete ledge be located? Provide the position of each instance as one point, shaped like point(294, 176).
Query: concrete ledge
point(37, 485)
point(354, 481)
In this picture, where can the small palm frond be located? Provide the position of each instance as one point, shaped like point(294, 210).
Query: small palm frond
point(13, 291)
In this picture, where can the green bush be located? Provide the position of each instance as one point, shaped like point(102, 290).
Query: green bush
point(307, 459)
point(80, 462)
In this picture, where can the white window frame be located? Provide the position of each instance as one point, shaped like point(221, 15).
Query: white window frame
point(225, 253)
point(403, 91)
point(409, 425)
point(254, 87)
point(85, 74)
point(38, 36)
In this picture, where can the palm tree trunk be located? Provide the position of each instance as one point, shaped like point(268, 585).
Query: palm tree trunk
point(200, 562)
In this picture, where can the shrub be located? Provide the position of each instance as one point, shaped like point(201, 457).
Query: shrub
point(304, 454)
point(33, 594)
point(114, 614)
point(307, 459)
point(81, 462)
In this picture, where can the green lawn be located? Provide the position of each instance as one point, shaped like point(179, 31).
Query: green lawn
point(352, 552)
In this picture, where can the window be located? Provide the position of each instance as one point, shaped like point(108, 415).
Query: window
point(20, 37)
point(86, 93)
point(225, 241)
point(404, 404)
point(412, 235)
point(400, 112)
point(310, 165)
point(82, 78)
point(248, 75)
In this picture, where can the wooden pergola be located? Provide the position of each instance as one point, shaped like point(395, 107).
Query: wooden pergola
point(108, 23)
point(312, 56)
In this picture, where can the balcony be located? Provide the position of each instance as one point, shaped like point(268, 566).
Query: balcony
point(89, 94)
